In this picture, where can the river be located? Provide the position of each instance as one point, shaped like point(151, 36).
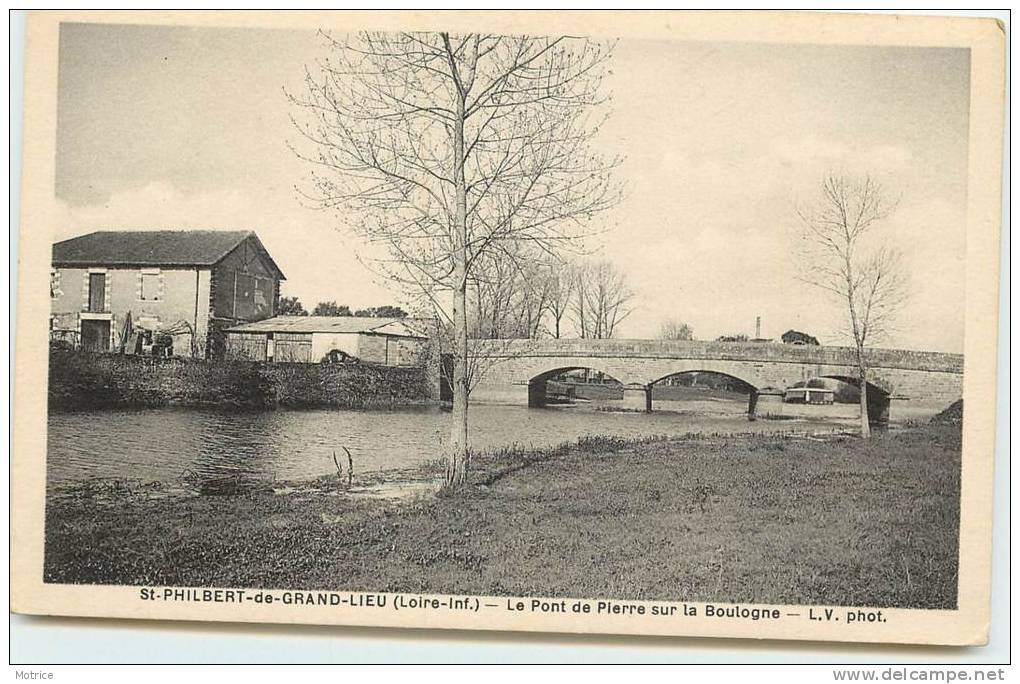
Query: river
point(166, 444)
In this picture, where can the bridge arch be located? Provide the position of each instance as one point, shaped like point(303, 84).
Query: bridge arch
point(744, 383)
point(551, 373)
point(538, 384)
point(737, 383)
point(878, 398)
point(740, 381)
point(855, 382)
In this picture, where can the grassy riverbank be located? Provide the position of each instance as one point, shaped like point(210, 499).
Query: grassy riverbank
point(766, 519)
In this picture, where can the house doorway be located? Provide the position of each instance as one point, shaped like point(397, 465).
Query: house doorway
point(95, 336)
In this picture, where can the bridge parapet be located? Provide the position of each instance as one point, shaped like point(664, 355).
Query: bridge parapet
point(763, 352)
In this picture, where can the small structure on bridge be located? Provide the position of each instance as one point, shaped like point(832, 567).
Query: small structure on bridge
point(798, 337)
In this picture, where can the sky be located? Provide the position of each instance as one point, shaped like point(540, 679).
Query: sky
point(177, 127)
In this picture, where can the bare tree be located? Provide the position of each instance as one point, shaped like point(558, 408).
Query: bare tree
point(492, 294)
point(535, 289)
point(850, 261)
point(676, 330)
point(560, 280)
point(445, 150)
point(510, 298)
point(602, 299)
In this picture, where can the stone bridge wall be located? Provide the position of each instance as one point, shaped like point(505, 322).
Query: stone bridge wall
point(928, 376)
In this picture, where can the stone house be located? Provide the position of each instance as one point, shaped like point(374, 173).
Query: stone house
point(189, 284)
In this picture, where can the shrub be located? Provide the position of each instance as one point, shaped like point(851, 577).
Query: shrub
point(82, 380)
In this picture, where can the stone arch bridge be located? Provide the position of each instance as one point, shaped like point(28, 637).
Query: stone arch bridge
point(515, 371)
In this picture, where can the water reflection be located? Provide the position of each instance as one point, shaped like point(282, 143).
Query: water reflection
point(169, 444)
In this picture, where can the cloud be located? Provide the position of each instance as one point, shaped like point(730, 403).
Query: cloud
point(708, 239)
point(714, 243)
point(158, 206)
point(886, 158)
point(318, 259)
point(807, 150)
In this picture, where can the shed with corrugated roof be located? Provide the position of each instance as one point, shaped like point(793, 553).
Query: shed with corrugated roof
point(314, 339)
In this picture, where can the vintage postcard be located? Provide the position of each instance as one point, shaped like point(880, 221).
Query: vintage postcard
point(649, 323)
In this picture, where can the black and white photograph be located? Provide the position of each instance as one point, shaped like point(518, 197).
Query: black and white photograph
point(597, 331)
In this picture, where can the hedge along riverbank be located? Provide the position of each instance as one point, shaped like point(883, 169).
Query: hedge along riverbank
point(81, 380)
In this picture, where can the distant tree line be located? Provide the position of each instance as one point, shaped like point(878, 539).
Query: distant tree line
point(674, 329)
point(292, 306)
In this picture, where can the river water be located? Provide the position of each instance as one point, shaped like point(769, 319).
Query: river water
point(166, 444)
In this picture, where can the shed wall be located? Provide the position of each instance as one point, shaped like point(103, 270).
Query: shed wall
point(405, 351)
point(372, 348)
point(293, 348)
point(323, 343)
point(312, 347)
point(246, 346)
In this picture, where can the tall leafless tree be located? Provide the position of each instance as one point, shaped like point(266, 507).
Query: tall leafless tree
point(675, 329)
point(602, 299)
point(560, 281)
point(536, 284)
point(510, 298)
point(845, 255)
point(448, 149)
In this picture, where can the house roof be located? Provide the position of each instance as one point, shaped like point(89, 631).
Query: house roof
point(329, 324)
point(154, 248)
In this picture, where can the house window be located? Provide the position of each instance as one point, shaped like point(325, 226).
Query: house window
point(150, 286)
point(55, 283)
point(96, 291)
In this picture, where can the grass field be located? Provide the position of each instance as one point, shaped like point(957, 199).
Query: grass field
point(739, 519)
